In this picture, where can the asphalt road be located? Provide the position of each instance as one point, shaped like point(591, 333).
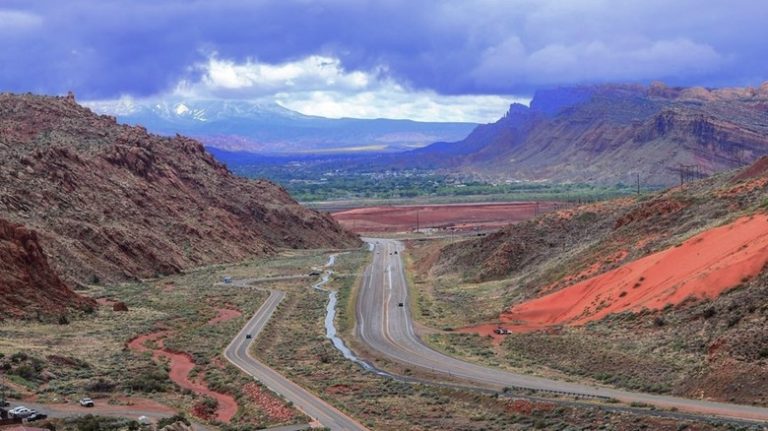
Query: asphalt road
point(387, 331)
point(238, 353)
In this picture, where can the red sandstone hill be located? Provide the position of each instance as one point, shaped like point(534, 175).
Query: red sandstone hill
point(113, 202)
point(664, 292)
point(28, 285)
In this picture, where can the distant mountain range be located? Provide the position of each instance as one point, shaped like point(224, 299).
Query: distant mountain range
point(268, 128)
point(600, 134)
point(611, 134)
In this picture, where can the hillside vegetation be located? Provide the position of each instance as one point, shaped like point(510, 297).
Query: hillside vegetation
point(668, 290)
point(111, 202)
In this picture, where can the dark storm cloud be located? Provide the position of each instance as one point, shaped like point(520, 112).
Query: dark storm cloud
point(102, 49)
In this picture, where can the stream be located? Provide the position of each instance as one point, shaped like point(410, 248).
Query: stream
point(330, 315)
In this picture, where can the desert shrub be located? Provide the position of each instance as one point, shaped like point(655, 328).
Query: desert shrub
point(19, 357)
point(100, 385)
point(179, 417)
point(98, 423)
point(733, 320)
point(153, 380)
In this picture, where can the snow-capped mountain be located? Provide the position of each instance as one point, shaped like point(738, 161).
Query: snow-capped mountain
point(266, 127)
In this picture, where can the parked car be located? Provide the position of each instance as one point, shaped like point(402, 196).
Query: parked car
point(20, 412)
point(227, 280)
point(314, 273)
point(86, 402)
point(501, 331)
point(36, 417)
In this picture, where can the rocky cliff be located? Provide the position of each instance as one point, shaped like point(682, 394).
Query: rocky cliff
point(611, 133)
point(28, 285)
point(113, 202)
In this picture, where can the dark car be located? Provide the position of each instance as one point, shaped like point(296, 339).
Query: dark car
point(314, 273)
point(400, 304)
point(248, 336)
point(37, 417)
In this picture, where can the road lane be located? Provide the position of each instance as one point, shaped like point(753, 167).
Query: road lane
point(387, 330)
point(238, 354)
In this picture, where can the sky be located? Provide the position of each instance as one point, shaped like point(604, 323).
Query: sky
point(452, 60)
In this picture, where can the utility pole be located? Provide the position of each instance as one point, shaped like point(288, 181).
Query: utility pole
point(638, 183)
point(417, 221)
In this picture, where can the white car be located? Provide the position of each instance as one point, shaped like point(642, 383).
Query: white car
point(20, 412)
point(86, 402)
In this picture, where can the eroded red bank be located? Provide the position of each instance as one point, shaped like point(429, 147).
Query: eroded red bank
point(704, 266)
point(225, 314)
point(181, 365)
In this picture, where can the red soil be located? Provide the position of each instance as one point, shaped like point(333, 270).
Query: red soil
point(139, 344)
point(458, 216)
point(224, 315)
point(276, 409)
point(181, 365)
point(702, 267)
point(124, 404)
point(757, 169)
point(106, 301)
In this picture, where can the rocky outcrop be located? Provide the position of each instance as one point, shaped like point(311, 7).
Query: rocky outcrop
point(113, 202)
point(29, 288)
point(610, 133)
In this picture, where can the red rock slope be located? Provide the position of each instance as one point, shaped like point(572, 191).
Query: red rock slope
point(704, 266)
point(28, 286)
point(113, 202)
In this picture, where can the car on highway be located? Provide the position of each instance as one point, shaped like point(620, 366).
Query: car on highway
point(36, 417)
point(86, 402)
point(400, 304)
point(20, 412)
point(248, 336)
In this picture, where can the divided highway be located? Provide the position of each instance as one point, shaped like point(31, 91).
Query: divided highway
point(238, 354)
point(386, 329)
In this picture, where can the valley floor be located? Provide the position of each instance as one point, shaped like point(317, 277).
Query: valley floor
point(166, 351)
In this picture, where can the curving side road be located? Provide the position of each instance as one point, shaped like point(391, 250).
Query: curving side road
point(386, 329)
point(238, 354)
